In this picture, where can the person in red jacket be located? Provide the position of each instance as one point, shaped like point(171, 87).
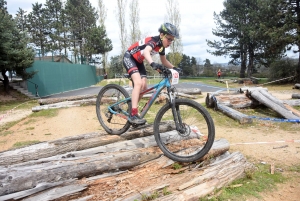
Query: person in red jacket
point(219, 73)
point(143, 50)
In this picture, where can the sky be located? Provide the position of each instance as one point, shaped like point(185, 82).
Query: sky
point(196, 24)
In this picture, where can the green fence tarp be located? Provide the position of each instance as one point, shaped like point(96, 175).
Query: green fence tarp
point(55, 77)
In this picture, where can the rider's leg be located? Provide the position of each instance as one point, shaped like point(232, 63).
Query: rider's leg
point(137, 87)
point(144, 85)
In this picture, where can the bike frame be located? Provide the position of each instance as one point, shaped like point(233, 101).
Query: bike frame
point(165, 83)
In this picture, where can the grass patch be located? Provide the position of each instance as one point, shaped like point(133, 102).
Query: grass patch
point(48, 134)
point(45, 113)
point(30, 121)
point(5, 133)
point(17, 104)
point(3, 142)
point(295, 168)
point(25, 143)
point(29, 128)
point(254, 183)
point(8, 125)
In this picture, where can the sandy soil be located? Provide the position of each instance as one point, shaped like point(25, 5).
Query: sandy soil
point(266, 147)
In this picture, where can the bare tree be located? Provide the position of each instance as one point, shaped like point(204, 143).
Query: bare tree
point(135, 33)
point(120, 15)
point(102, 17)
point(173, 17)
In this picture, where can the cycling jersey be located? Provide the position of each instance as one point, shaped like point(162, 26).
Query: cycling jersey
point(133, 57)
point(137, 49)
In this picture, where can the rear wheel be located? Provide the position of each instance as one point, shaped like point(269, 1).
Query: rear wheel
point(194, 138)
point(110, 95)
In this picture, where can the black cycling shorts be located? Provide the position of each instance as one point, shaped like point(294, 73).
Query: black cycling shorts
point(132, 66)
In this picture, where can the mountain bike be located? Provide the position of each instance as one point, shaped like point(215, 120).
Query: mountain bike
point(183, 128)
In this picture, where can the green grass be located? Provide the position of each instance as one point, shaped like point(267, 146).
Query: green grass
point(25, 143)
point(45, 113)
point(254, 183)
point(19, 104)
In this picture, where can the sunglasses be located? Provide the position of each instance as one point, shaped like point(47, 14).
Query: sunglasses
point(169, 39)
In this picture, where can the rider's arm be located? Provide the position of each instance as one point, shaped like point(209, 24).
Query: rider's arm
point(165, 62)
point(147, 54)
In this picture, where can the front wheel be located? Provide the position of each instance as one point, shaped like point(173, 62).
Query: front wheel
point(195, 136)
point(117, 98)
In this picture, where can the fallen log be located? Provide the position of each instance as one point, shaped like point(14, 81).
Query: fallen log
point(256, 94)
point(236, 100)
point(74, 143)
point(295, 112)
point(197, 183)
point(65, 104)
point(83, 164)
point(296, 96)
point(236, 115)
point(297, 86)
point(47, 101)
point(292, 102)
point(189, 91)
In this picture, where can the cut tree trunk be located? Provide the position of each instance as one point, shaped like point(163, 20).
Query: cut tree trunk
point(236, 115)
point(236, 100)
point(85, 163)
point(74, 143)
point(259, 96)
point(199, 182)
point(297, 86)
point(71, 98)
point(296, 96)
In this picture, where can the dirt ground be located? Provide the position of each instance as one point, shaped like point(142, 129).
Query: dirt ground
point(268, 144)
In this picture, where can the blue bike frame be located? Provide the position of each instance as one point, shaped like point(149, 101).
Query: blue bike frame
point(165, 83)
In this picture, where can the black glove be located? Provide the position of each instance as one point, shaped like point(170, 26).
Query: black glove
point(179, 70)
point(156, 66)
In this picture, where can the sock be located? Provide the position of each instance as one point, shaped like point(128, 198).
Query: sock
point(134, 111)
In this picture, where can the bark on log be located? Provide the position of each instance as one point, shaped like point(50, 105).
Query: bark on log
point(296, 96)
point(190, 91)
point(256, 94)
point(74, 143)
point(85, 163)
point(65, 104)
point(292, 102)
point(295, 112)
point(200, 182)
point(236, 115)
point(71, 98)
point(236, 100)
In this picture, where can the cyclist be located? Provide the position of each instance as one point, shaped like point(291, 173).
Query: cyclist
point(133, 62)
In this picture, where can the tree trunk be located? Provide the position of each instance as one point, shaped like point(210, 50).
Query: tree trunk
point(85, 163)
point(296, 96)
point(256, 94)
point(236, 115)
point(5, 81)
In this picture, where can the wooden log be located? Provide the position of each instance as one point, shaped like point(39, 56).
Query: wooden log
point(272, 98)
point(296, 96)
point(19, 178)
point(236, 115)
point(249, 89)
point(71, 98)
point(297, 86)
point(74, 143)
point(295, 112)
point(43, 187)
point(292, 102)
point(189, 91)
point(188, 185)
point(274, 106)
point(65, 104)
point(83, 165)
point(236, 100)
